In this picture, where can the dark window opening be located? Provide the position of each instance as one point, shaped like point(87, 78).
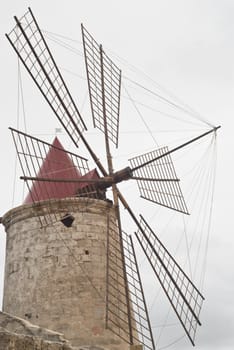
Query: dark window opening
point(67, 220)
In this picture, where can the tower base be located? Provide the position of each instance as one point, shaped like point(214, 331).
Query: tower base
point(55, 276)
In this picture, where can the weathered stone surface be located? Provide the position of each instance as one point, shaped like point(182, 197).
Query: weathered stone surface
point(55, 276)
point(18, 334)
point(20, 326)
point(10, 341)
point(90, 348)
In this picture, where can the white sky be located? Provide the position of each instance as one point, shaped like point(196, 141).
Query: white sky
point(185, 45)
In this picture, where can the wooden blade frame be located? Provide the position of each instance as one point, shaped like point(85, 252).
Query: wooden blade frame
point(31, 47)
point(31, 153)
point(104, 82)
point(119, 273)
point(166, 192)
point(184, 297)
point(104, 88)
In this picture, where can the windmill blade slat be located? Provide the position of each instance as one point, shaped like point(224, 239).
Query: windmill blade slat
point(184, 297)
point(165, 193)
point(126, 323)
point(30, 45)
point(40, 159)
point(104, 81)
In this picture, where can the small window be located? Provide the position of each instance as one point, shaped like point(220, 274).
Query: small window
point(67, 220)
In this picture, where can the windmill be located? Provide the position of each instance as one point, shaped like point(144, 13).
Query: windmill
point(154, 173)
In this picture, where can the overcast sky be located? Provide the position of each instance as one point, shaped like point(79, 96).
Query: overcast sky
point(187, 47)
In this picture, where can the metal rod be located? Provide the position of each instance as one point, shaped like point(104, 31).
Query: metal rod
point(171, 277)
point(103, 180)
point(176, 148)
point(60, 75)
point(171, 257)
point(108, 153)
point(87, 75)
point(107, 268)
point(46, 143)
point(120, 79)
point(162, 285)
point(142, 292)
point(152, 179)
point(115, 196)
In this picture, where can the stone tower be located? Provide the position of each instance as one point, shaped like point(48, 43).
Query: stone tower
point(56, 275)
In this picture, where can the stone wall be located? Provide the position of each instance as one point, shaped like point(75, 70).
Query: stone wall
point(56, 276)
point(18, 334)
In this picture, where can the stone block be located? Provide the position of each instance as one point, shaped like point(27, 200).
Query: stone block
point(136, 347)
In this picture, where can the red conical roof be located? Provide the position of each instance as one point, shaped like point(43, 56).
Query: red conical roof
point(57, 164)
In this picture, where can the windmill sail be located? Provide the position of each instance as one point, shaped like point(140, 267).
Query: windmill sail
point(40, 159)
point(184, 297)
point(166, 192)
point(104, 81)
point(31, 47)
point(127, 314)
